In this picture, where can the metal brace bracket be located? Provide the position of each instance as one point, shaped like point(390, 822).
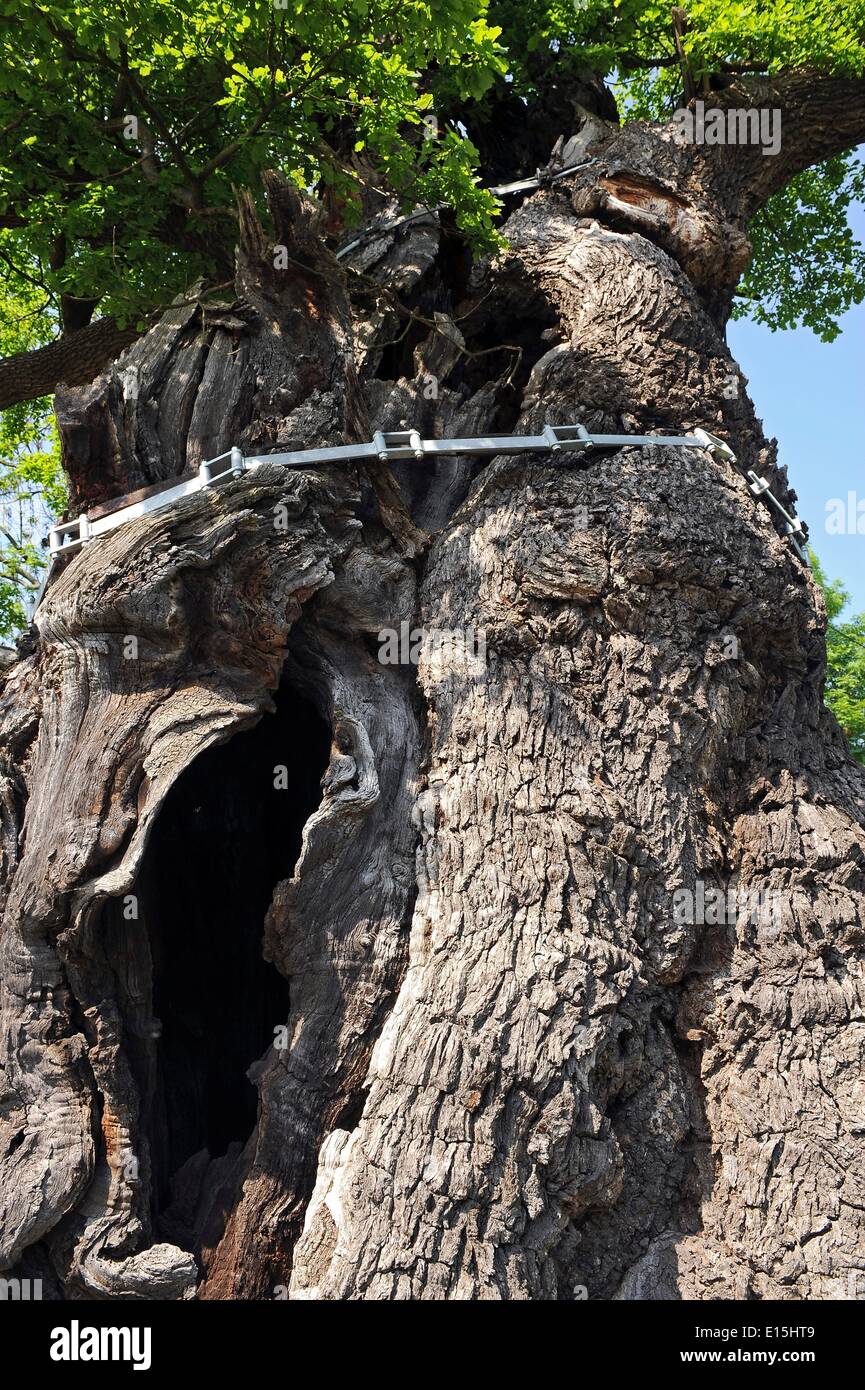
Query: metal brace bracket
point(570, 437)
point(217, 470)
point(716, 447)
point(397, 444)
point(793, 527)
point(66, 536)
point(757, 485)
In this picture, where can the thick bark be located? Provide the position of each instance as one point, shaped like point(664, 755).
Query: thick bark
point(820, 115)
point(509, 1068)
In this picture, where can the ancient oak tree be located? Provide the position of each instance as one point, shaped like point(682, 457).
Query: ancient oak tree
point(348, 979)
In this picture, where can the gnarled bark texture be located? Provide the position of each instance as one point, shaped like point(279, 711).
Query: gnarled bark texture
point(506, 1068)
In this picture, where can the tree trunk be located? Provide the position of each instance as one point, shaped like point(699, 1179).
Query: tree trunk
point(487, 1056)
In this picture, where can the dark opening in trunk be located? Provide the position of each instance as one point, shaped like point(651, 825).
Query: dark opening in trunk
point(225, 837)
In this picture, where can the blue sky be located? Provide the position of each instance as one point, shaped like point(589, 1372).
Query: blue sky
point(811, 397)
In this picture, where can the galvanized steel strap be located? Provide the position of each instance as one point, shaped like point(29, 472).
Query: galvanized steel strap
point(67, 537)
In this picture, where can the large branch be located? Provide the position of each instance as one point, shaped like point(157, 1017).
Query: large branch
point(820, 115)
point(73, 359)
point(693, 197)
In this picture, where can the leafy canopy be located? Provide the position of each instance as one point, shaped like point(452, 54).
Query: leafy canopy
point(128, 212)
point(845, 662)
point(31, 480)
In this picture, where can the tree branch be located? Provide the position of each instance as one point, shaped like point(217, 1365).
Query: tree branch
point(73, 359)
point(821, 115)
